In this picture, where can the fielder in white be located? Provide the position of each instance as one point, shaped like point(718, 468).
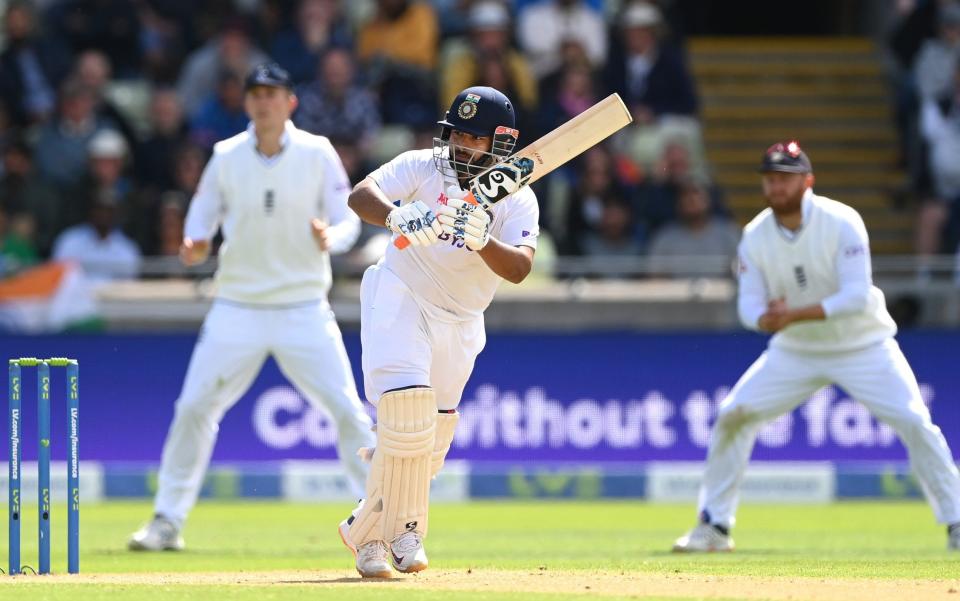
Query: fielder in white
point(422, 314)
point(805, 277)
point(279, 195)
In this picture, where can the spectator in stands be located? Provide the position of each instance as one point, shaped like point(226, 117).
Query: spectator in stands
point(92, 69)
point(938, 224)
point(938, 56)
point(98, 244)
point(614, 234)
point(651, 75)
point(61, 148)
point(31, 67)
point(334, 105)
point(659, 193)
point(111, 26)
point(145, 227)
point(545, 27)
point(594, 208)
point(318, 25)
point(696, 232)
point(222, 115)
point(155, 155)
point(23, 191)
point(173, 210)
point(577, 91)
point(489, 48)
point(107, 178)
point(166, 33)
point(17, 249)
point(398, 49)
point(231, 50)
point(653, 79)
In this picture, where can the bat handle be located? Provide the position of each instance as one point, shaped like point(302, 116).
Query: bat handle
point(401, 242)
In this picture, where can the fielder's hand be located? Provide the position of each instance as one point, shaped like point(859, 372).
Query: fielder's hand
point(776, 318)
point(416, 222)
point(319, 230)
point(193, 252)
point(468, 221)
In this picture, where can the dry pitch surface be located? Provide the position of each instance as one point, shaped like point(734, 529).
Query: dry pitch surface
point(569, 582)
point(511, 550)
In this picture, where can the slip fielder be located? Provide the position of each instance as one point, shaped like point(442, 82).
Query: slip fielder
point(805, 276)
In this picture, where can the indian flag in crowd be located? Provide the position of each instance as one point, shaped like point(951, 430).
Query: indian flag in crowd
point(51, 297)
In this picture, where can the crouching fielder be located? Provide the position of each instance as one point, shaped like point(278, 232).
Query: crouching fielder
point(805, 276)
point(422, 314)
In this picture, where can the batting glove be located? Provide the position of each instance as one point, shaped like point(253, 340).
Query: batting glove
point(465, 221)
point(416, 222)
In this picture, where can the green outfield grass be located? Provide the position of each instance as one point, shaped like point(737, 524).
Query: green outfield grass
point(844, 540)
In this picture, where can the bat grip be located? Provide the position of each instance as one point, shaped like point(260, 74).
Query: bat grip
point(401, 242)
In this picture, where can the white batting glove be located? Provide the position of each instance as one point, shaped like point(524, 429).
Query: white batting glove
point(464, 220)
point(416, 222)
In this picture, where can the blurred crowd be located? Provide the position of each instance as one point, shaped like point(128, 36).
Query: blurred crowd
point(925, 43)
point(110, 108)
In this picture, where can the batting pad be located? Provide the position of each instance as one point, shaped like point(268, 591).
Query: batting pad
point(398, 487)
point(446, 428)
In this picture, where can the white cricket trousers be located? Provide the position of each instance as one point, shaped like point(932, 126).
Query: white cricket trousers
point(404, 346)
point(232, 346)
point(877, 376)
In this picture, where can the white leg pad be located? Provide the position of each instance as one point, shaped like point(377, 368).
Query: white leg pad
point(398, 487)
point(446, 428)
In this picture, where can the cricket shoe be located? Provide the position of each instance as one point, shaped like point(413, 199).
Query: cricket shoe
point(371, 558)
point(705, 538)
point(953, 537)
point(160, 534)
point(407, 552)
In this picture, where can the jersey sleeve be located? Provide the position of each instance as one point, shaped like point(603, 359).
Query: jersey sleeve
point(853, 269)
point(344, 225)
point(398, 179)
point(521, 226)
point(752, 294)
point(206, 207)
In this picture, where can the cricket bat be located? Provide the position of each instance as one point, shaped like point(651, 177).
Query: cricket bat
point(536, 160)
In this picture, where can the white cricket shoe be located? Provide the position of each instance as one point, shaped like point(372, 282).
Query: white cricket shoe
point(703, 539)
point(407, 553)
point(160, 534)
point(372, 560)
point(953, 537)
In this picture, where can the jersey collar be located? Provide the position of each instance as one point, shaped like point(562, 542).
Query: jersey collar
point(806, 206)
point(284, 141)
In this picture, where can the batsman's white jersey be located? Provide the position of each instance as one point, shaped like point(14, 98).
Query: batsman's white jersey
point(271, 300)
point(828, 262)
point(432, 298)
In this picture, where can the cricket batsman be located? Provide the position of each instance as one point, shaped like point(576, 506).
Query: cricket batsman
point(422, 314)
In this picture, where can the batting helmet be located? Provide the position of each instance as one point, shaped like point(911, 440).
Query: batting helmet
point(479, 111)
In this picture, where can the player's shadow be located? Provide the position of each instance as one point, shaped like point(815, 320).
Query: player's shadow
point(758, 552)
point(343, 580)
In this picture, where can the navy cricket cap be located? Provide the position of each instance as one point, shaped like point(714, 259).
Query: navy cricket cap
point(787, 157)
point(268, 74)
